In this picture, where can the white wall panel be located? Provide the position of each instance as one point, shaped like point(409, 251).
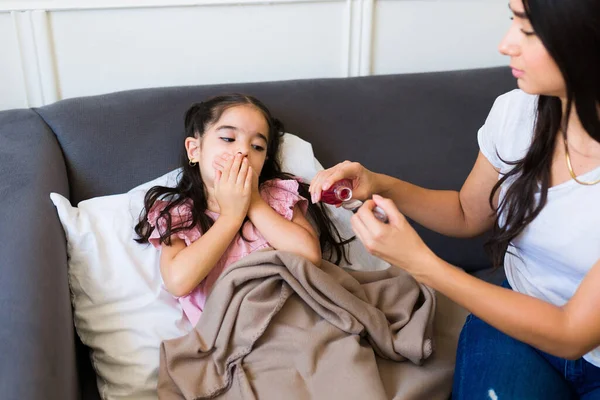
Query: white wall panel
point(13, 93)
point(53, 49)
point(421, 36)
point(24, 5)
point(106, 50)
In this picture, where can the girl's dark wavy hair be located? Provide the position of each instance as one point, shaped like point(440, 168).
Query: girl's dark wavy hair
point(570, 31)
point(198, 118)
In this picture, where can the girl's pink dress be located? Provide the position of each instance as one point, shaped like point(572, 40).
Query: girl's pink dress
point(281, 195)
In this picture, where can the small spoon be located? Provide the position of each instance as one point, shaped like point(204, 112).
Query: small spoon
point(354, 204)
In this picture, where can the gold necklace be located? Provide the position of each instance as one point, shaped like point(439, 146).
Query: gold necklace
point(570, 167)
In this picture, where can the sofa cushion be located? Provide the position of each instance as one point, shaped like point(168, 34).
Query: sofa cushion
point(419, 127)
point(37, 354)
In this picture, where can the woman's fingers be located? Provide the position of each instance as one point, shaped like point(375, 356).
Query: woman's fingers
point(338, 172)
point(326, 182)
point(395, 217)
point(314, 184)
point(372, 232)
point(325, 179)
point(371, 224)
point(361, 232)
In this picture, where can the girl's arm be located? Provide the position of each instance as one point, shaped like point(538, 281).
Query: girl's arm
point(569, 331)
point(295, 236)
point(184, 267)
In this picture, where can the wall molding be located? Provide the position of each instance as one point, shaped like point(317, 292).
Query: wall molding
point(367, 13)
point(358, 37)
point(360, 46)
point(23, 25)
point(74, 5)
point(37, 57)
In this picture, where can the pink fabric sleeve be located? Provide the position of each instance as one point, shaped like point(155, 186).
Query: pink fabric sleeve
point(180, 215)
point(282, 196)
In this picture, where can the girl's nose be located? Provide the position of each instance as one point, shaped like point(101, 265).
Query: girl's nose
point(243, 154)
point(243, 150)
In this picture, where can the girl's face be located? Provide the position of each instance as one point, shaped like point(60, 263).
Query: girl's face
point(242, 129)
point(535, 70)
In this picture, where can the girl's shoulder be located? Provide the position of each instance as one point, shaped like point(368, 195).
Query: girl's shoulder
point(276, 185)
point(283, 195)
point(179, 213)
point(179, 216)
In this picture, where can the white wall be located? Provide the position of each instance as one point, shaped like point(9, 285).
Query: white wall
point(12, 82)
point(54, 49)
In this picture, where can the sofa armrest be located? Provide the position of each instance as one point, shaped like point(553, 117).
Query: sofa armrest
point(37, 347)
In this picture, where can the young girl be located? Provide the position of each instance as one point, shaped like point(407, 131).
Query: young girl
point(231, 200)
point(536, 186)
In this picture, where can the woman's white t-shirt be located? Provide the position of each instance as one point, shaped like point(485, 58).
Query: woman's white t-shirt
point(556, 250)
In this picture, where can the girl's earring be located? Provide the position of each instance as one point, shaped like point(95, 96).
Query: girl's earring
point(192, 162)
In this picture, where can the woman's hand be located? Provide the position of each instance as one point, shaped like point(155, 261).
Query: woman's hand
point(396, 242)
point(233, 185)
point(362, 180)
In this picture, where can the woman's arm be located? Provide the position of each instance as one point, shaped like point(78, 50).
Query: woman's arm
point(296, 236)
point(569, 331)
point(459, 214)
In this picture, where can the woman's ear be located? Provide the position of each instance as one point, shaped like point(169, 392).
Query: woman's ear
point(192, 147)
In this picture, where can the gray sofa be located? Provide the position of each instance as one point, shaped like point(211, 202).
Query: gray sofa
point(419, 127)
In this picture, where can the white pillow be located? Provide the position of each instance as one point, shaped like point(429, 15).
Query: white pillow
point(121, 310)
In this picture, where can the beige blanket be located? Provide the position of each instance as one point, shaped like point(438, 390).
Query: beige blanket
point(277, 327)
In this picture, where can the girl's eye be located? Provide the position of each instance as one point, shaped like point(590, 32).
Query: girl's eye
point(258, 148)
point(228, 140)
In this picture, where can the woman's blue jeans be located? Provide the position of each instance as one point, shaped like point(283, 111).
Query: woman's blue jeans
point(491, 365)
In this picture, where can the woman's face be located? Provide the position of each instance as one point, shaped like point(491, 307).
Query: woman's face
point(535, 70)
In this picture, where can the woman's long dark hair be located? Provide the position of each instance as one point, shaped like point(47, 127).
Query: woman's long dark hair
point(570, 31)
point(198, 118)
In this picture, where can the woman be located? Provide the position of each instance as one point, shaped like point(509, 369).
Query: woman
point(536, 185)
